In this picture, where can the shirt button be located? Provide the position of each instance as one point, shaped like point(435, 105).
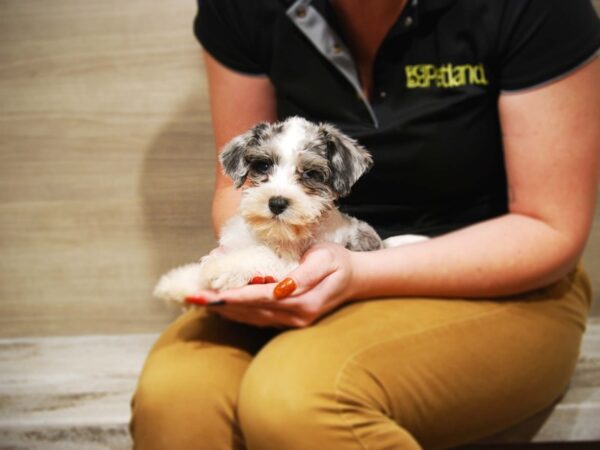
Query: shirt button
point(301, 12)
point(408, 21)
point(383, 94)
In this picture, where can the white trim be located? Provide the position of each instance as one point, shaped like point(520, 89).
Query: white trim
point(325, 39)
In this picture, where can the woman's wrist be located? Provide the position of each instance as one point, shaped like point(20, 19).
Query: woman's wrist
point(361, 279)
point(377, 274)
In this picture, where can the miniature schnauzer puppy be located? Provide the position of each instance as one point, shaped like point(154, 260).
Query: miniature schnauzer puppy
point(291, 173)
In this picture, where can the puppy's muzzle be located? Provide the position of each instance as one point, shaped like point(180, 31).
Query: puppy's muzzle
point(278, 204)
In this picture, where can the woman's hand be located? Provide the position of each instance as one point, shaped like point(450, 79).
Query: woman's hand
point(324, 281)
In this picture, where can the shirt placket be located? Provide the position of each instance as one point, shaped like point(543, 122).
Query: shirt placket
point(407, 22)
point(316, 29)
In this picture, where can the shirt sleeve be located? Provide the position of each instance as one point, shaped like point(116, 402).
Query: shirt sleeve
point(227, 30)
point(545, 39)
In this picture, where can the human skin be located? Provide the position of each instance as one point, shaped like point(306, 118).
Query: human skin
point(237, 102)
point(552, 156)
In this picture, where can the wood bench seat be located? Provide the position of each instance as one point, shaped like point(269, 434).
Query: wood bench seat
point(74, 392)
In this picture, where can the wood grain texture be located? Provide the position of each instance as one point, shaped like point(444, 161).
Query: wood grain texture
point(106, 163)
point(68, 393)
point(74, 392)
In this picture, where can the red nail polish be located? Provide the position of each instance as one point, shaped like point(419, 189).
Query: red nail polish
point(257, 280)
point(269, 279)
point(284, 288)
point(194, 300)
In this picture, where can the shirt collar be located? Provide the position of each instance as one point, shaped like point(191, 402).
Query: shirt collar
point(425, 6)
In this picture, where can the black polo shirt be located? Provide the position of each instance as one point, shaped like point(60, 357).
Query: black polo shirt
point(432, 125)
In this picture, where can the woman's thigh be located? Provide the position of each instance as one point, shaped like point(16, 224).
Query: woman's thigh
point(187, 392)
point(404, 373)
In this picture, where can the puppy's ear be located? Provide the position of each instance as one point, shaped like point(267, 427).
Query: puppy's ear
point(348, 160)
point(233, 154)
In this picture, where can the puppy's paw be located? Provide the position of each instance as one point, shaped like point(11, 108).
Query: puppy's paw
point(179, 283)
point(238, 268)
point(223, 273)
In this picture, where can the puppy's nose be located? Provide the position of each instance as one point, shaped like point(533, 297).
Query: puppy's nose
point(278, 204)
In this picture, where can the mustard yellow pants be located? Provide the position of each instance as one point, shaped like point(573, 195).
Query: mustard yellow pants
point(394, 374)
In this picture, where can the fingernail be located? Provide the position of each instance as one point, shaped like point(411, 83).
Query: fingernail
point(257, 280)
point(196, 300)
point(284, 288)
point(216, 303)
point(269, 279)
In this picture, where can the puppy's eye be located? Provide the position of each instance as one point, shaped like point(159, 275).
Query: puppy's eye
point(313, 175)
point(260, 166)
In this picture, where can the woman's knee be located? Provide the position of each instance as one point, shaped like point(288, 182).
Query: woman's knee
point(273, 408)
point(290, 398)
point(186, 398)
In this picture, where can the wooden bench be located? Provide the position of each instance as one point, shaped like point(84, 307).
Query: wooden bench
point(74, 392)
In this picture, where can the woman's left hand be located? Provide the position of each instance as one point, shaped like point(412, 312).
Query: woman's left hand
point(324, 281)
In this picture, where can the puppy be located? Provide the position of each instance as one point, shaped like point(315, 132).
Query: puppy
point(291, 173)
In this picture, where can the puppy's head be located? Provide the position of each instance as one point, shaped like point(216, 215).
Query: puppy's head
point(291, 173)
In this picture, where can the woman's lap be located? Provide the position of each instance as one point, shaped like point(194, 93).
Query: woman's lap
point(188, 389)
point(375, 374)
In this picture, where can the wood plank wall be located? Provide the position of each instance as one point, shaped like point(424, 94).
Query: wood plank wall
point(106, 160)
point(106, 163)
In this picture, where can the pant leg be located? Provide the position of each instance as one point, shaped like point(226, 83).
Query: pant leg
point(405, 374)
point(186, 394)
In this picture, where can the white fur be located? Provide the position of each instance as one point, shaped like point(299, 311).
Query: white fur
point(242, 258)
point(404, 239)
point(287, 143)
point(258, 243)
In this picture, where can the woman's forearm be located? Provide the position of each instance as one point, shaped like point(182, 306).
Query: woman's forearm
point(237, 102)
point(226, 200)
point(552, 158)
point(503, 256)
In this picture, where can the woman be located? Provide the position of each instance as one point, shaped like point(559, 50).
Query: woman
point(482, 121)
